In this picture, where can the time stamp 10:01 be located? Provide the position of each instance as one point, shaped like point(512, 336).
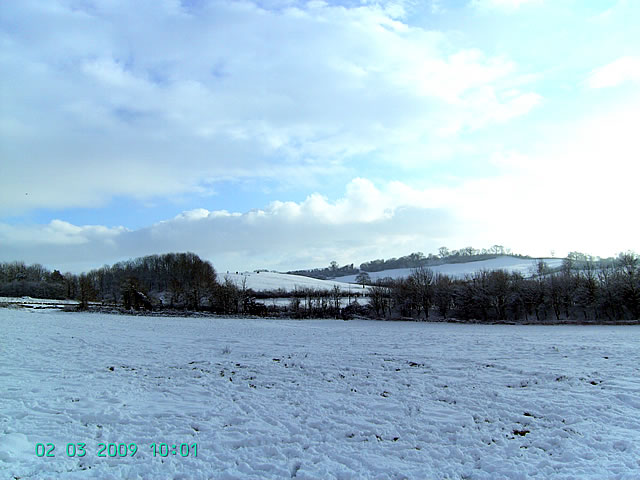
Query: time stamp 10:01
point(112, 450)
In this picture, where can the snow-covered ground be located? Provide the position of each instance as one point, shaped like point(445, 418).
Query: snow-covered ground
point(270, 399)
point(36, 302)
point(273, 281)
point(512, 264)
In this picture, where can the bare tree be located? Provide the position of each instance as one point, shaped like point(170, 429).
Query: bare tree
point(87, 292)
point(379, 298)
point(629, 267)
point(363, 279)
point(422, 279)
point(336, 297)
point(443, 294)
point(498, 292)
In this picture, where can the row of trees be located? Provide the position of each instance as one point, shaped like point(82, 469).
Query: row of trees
point(582, 289)
point(175, 280)
point(18, 279)
point(413, 260)
point(578, 291)
point(311, 302)
point(418, 259)
point(332, 271)
point(444, 255)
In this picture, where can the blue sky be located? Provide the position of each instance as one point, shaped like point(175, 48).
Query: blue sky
point(283, 134)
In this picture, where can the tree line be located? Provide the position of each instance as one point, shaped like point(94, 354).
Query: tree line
point(413, 260)
point(173, 280)
point(581, 290)
point(444, 255)
point(332, 271)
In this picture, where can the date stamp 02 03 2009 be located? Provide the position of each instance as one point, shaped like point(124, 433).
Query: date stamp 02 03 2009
point(79, 449)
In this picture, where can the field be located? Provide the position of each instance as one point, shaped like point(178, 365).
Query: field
point(525, 266)
point(319, 399)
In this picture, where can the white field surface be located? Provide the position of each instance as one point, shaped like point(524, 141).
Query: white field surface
point(512, 264)
point(36, 302)
point(320, 399)
point(273, 281)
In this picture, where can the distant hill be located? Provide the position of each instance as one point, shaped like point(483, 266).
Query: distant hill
point(273, 281)
point(413, 260)
point(459, 270)
point(286, 281)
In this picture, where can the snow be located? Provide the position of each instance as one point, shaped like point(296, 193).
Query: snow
point(36, 302)
point(317, 399)
point(272, 281)
point(512, 264)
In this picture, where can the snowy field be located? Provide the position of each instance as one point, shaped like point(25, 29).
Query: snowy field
point(270, 399)
point(458, 270)
point(31, 302)
point(273, 281)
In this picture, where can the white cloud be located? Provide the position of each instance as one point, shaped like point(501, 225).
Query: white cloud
point(153, 100)
point(56, 233)
point(620, 71)
point(111, 74)
point(577, 195)
point(366, 222)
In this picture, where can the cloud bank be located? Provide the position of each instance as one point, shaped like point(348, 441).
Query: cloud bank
point(560, 200)
point(366, 221)
point(162, 98)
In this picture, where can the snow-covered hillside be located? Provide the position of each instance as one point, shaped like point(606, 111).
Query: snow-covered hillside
point(511, 264)
point(273, 399)
point(273, 281)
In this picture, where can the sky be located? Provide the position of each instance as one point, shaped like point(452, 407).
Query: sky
point(282, 134)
